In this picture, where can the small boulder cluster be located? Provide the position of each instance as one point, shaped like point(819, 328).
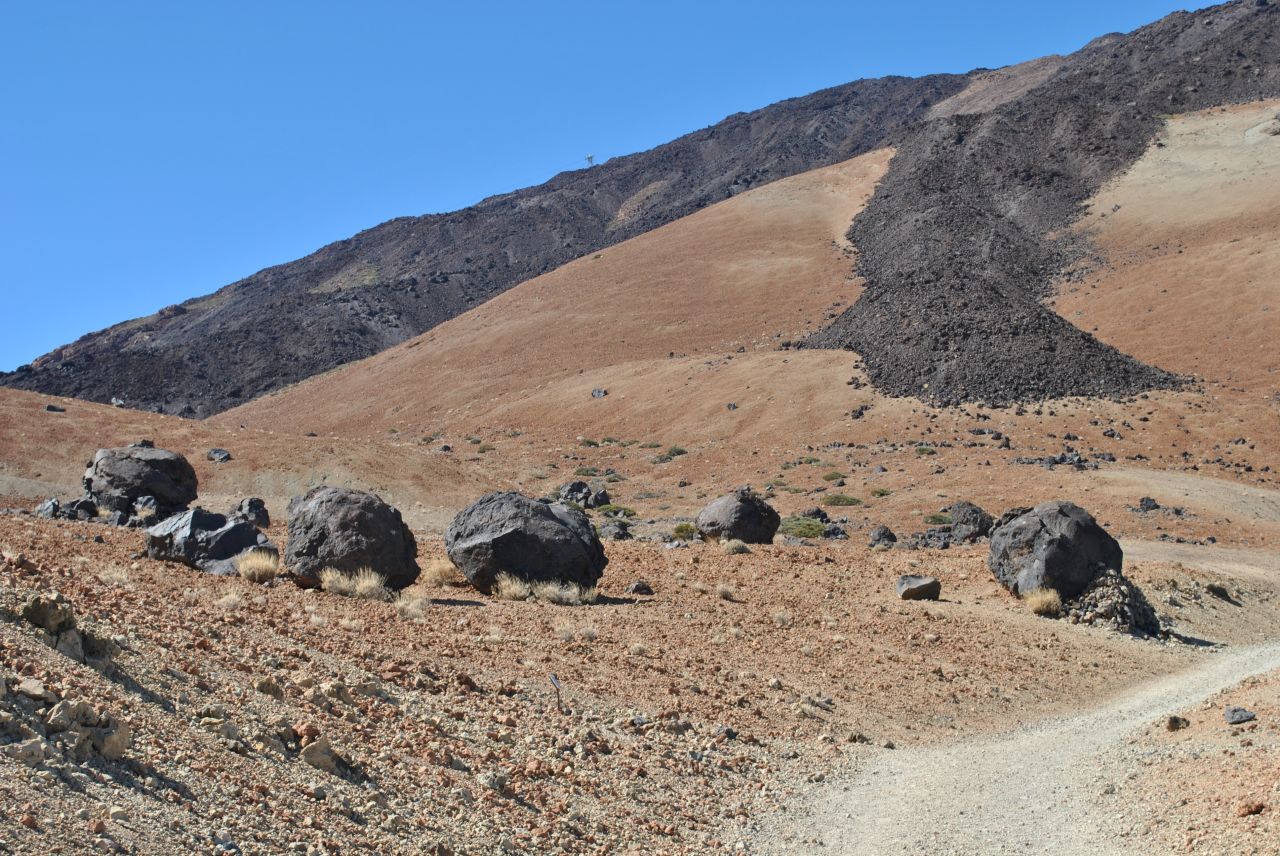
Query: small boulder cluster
point(133, 486)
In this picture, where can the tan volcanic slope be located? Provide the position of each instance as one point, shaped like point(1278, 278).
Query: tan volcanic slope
point(748, 272)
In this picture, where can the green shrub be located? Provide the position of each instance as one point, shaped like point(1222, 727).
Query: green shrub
point(484, 447)
point(612, 510)
point(589, 443)
point(841, 499)
point(921, 451)
point(880, 491)
point(937, 519)
point(676, 451)
point(586, 471)
point(802, 527)
point(650, 445)
point(684, 532)
point(833, 476)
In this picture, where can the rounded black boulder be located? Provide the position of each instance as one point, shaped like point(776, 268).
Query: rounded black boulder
point(348, 530)
point(116, 478)
point(743, 515)
point(1056, 545)
point(508, 533)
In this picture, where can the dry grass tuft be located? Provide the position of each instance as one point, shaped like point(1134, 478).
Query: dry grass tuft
point(700, 587)
point(639, 650)
point(726, 591)
point(508, 587)
point(259, 565)
point(588, 634)
point(782, 619)
point(1044, 602)
point(230, 601)
point(565, 632)
point(364, 584)
point(114, 576)
point(355, 625)
point(441, 573)
point(734, 547)
point(412, 606)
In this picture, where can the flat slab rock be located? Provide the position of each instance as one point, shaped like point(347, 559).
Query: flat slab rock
point(915, 587)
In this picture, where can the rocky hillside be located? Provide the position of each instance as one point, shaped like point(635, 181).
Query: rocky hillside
point(357, 297)
point(966, 233)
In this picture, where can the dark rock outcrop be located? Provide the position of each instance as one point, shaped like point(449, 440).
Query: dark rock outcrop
point(741, 515)
point(1056, 545)
point(348, 530)
point(534, 541)
point(204, 540)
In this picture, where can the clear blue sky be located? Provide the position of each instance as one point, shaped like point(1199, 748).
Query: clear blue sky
point(154, 151)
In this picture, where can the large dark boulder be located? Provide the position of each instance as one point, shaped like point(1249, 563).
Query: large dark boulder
point(1056, 545)
point(534, 541)
point(116, 478)
point(348, 530)
point(743, 515)
point(968, 522)
point(203, 540)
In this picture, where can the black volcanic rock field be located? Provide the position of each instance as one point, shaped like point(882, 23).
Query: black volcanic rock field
point(958, 246)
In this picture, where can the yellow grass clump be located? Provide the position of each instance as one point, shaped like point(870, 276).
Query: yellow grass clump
point(508, 587)
point(259, 565)
point(364, 584)
point(441, 572)
point(1044, 602)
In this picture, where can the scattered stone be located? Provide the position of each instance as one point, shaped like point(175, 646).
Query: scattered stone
point(1238, 715)
point(30, 752)
point(1148, 504)
point(639, 587)
point(742, 515)
point(1113, 600)
point(882, 536)
point(914, 587)
point(219, 456)
point(203, 540)
point(346, 529)
point(1176, 723)
point(615, 529)
point(599, 393)
point(530, 540)
point(51, 612)
point(968, 522)
point(1055, 545)
point(580, 493)
point(252, 510)
point(319, 754)
point(1250, 807)
point(53, 408)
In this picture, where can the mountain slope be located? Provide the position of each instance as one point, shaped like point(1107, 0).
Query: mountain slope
point(966, 234)
point(360, 296)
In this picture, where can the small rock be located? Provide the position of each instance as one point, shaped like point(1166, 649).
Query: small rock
point(1176, 723)
point(219, 456)
point(117, 813)
point(639, 587)
point(1248, 808)
point(320, 754)
point(1238, 715)
point(914, 587)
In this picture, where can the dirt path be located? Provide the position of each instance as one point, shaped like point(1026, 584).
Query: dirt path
point(1031, 791)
